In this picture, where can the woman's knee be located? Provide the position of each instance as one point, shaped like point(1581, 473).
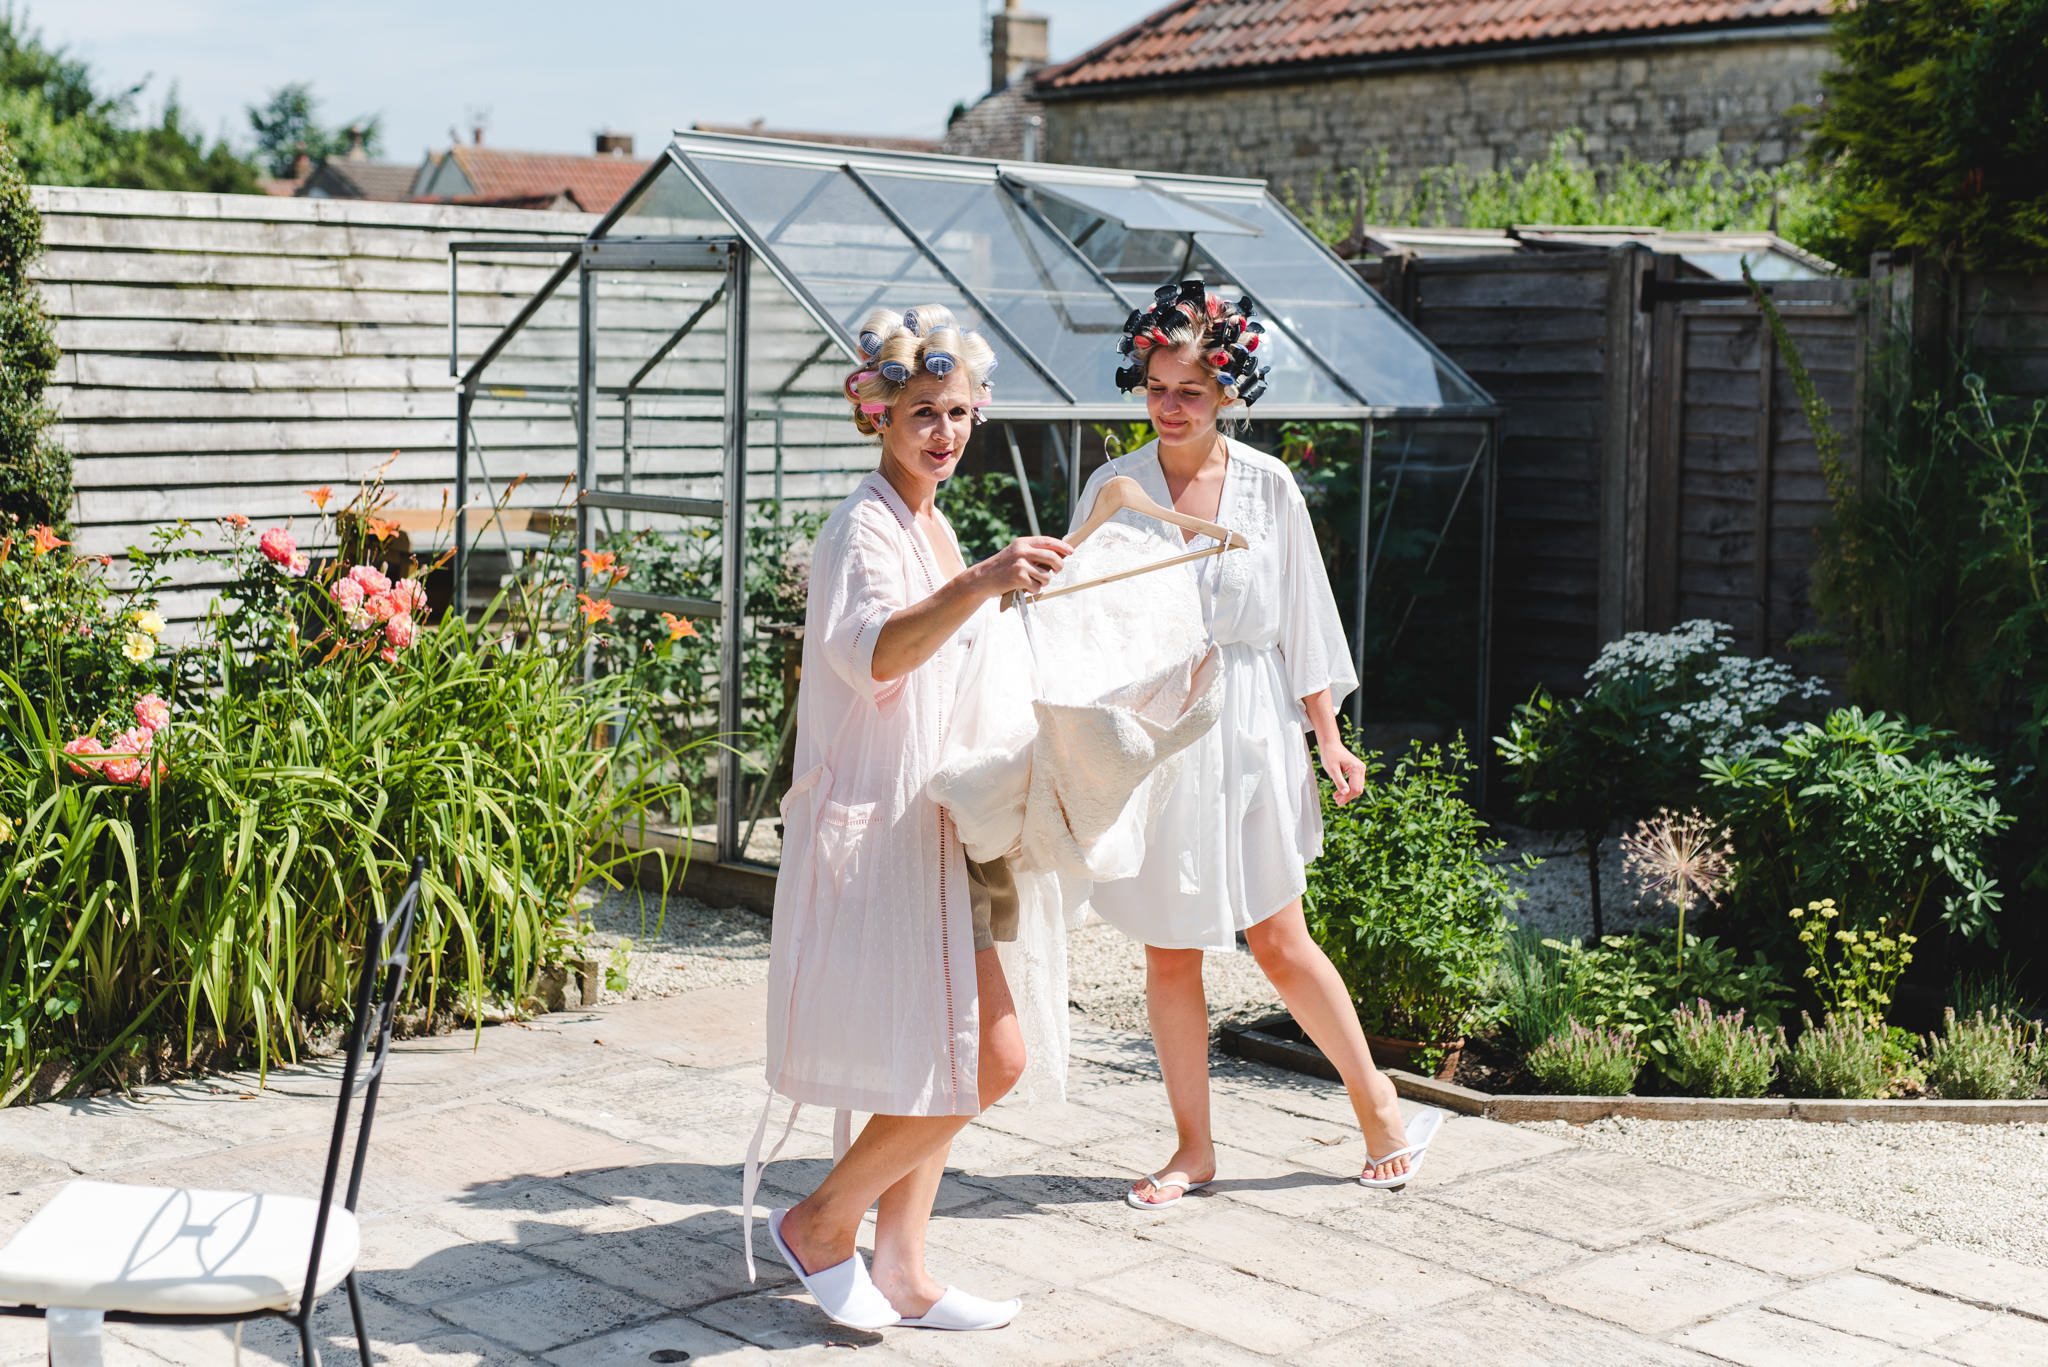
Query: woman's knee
point(1172, 968)
point(1281, 945)
point(1003, 1058)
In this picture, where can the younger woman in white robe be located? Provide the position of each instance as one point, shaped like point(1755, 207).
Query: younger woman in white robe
point(1230, 851)
point(884, 994)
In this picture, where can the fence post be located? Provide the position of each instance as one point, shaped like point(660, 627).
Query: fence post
point(1625, 446)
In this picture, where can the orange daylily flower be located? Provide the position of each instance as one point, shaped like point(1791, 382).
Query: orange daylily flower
point(320, 496)
point(46, 539)
point(381, 527)
point(599, 562)
point(678, 627)
point(594, 610)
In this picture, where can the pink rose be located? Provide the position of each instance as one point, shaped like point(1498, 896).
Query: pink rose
point(277, 546)
point(133, 747)
point(347, 594)
point(153, 712)
point(389, 654)
point(399, 631)
point(369, 580)
point(358, 619)
point(298, 564)
point(413, 594)
point(83, 745)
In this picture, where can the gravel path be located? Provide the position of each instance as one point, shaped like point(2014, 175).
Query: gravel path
point(1977, 1186)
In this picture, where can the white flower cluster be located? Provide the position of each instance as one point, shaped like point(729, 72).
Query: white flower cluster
point(1723, 701)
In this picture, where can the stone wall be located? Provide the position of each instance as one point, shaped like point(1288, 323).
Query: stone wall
point(1654, 102)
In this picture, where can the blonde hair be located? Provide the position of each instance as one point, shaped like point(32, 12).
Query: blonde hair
point(898, 346)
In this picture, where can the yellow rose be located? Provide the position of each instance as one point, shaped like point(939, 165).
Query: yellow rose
point(138, 647)
point(6, 831)
point(150, 623)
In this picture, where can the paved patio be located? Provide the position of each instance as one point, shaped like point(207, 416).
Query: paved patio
point(566, 1194)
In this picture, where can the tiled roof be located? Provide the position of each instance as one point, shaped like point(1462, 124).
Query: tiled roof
point(994, 125)
point(341, 178)
point(1221, 37)
point(881, 142)
point(593, 183)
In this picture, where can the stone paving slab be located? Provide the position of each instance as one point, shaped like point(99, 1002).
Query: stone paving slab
point(566, 1192)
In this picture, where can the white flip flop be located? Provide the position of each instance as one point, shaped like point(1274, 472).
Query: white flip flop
point(1158, 1180)
point(956, 1309)
point(843, 1291)
point(1421, 1130)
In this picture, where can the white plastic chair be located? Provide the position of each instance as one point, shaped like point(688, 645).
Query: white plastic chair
point(101, 1251)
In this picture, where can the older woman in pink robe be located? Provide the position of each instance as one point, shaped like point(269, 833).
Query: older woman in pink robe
point(883, 997)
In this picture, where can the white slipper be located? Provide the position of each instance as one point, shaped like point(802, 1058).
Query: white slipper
point(1421, 1130)
point(843, 1291)
point(1158, 1180)
point(955, 1309)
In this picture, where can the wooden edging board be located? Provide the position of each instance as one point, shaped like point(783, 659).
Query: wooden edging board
point(1249, 1041)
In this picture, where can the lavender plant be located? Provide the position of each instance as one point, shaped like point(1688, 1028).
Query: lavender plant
point(1986, 1057)
point(1841, 1057)
point(1709, 1054)
point(1578, 1061)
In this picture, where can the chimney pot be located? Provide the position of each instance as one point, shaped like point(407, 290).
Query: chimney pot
point(611, 144)
point(1018, 45)
point(356, 149)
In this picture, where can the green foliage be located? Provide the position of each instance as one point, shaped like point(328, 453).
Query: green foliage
point(1634, 985)
point(1869, 811)
point(1996, 990)
point(1656, 705)
point(1579, 1061)
point(1843, 1057)
point(35, 473)
point(1711, 1054)
point(1852, 972)
point(1563, 188)
point(65, 133)
point(1935, 130)
point(1404, 899)
point(618, 966)
point(1986, 1058)
point(198, 892)
point(1530, 994)
point(288, 123)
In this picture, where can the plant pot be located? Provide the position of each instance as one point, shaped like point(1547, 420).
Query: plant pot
point(1388, 1052)
point(589, 981)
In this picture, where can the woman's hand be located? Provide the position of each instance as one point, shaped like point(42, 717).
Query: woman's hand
point(1346, 770)
point(1025, 565)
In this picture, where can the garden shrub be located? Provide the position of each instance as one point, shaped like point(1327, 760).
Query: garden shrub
point(1840, 1058)
point(1579, 1061)
point(35, 473)
point(1986, 1058)
point(1655, 707)
point(1852, 972)
point(1710, 1054)
point(1869, 811)
point(1404, 899)
point(1634, 984)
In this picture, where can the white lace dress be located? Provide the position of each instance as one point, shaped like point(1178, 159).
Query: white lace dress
point(1233, 840)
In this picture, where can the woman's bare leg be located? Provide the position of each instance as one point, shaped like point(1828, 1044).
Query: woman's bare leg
point(1316, 997)
point(828, 1220)
point(1179, 1013)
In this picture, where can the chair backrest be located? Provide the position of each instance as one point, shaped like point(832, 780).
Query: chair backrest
point(387, 952)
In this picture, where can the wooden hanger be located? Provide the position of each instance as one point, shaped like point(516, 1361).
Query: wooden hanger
point(1124, 494)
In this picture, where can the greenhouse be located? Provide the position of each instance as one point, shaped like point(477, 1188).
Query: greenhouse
point(699, 337)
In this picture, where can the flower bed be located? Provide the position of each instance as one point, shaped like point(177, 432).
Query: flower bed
point(195, 837)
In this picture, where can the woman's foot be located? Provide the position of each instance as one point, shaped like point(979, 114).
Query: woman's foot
point(1187, 1169)
point(816, 1248)
point(1379, 1118)
point(910, 1289)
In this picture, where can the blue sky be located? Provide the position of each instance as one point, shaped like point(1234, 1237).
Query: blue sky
point(548, 75)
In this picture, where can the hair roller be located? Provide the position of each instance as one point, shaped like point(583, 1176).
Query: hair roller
point(938, 362)
point(895, 372)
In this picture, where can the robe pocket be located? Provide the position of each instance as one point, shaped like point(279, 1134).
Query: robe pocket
point(842, 830)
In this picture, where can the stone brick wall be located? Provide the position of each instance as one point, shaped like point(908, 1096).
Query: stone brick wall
point(1653, 102)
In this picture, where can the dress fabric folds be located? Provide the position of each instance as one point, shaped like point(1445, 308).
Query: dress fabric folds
point(1233, 835)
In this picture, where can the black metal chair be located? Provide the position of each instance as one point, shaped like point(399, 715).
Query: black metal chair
point(177, 1256)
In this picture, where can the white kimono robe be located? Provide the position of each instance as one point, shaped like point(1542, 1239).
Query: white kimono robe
point(1234, 838)
point(871, 985)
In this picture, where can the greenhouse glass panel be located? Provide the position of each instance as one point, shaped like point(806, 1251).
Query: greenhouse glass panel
point(1334, 311)
point(1141, 207)
point(668, 206)
point(830, 234)
point(1021, 270)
